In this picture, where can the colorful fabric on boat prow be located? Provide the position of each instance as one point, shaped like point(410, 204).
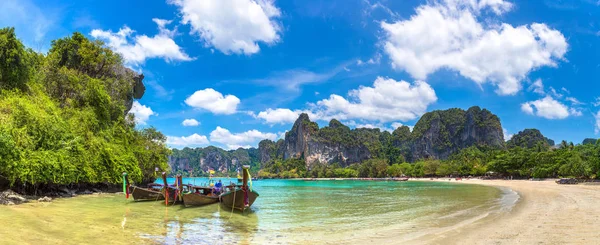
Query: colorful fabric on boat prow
point(125, 185)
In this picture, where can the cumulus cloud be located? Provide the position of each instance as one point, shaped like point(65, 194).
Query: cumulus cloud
point(279, 115)
point(136, 49)
point(232, 26)
point(141, 113)
point(448, 34)
point(388, 100)
point(234, 141)
point(187, 141)
point(547, 107)
point(190, 123)
point(213, 101)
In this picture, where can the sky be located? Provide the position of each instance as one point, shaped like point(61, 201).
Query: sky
point(230, 73)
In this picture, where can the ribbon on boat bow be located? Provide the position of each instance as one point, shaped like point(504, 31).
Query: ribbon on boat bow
point(125, 185)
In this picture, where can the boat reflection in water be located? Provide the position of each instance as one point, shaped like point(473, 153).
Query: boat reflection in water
point(204, 225)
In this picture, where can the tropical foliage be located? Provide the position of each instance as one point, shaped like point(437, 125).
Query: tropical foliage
point(63, 116)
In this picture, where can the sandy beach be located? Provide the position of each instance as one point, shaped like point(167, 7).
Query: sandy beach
point(546, 213)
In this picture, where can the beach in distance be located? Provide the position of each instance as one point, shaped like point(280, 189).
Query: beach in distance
point(546, 213)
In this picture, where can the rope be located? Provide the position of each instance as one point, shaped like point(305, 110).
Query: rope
point(232, 206)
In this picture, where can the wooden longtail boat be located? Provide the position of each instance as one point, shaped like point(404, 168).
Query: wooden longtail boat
point(152, 193)
point(240, 198)
point(172, 193)
point(199, 196)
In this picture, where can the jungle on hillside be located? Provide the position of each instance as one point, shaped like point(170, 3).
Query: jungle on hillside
point(64, 117)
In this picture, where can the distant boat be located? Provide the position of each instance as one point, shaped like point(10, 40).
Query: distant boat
point(199, 196)
point(239, 197)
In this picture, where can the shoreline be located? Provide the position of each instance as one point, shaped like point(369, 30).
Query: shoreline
point(546, 213)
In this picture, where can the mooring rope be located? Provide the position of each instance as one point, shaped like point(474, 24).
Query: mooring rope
point(233, 205)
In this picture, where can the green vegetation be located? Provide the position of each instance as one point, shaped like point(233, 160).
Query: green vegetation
point(580, 161)
point(529, 138)
point(62, 116)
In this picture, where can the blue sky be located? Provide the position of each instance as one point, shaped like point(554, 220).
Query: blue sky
point(238, 71)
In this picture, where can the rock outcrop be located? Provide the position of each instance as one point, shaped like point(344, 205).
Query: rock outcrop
point(589, 141)
point(529, 138)
point(211, 158)
point(439, 134)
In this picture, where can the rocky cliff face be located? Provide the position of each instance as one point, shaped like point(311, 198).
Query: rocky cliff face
point(439, 134)
point(202, 159)
point(529, 138)
point(334, 143)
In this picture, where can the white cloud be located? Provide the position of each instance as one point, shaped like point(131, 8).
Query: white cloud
point(597, 126)
point(232, 26)
point(527, 108)
point(396, 125)
point(507, 135)
point(213, 101)
point(574, 101)
point(190, 122)
point(279, 115)
point(597, 102)
point(554, 93)
point(141, 113)
point(575, 112)
point(234, 141)
point(281, 135)
point(546, 108)
point(372, 61)
point(449, 34)
point(537, 87)
point(136, 49)
point(388, 100)
point(192, 140)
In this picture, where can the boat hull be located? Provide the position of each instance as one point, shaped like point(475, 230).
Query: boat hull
point(235, 199)
point(193, 199)
point(171, 199)
point(146, 194)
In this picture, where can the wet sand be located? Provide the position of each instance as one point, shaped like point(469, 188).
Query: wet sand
point(546, 213)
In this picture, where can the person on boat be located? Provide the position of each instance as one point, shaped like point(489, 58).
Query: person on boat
point(218, 187)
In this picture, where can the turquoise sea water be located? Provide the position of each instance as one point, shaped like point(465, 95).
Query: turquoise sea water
point(287, 212)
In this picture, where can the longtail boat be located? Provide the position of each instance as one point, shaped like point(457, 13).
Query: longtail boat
point(239, 197)
point(172, 193)
point(199, 196)
point(152, 193)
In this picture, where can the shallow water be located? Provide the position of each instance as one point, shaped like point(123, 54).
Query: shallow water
point(287, 211)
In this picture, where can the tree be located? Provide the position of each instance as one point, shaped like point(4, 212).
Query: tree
point(15, 61)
